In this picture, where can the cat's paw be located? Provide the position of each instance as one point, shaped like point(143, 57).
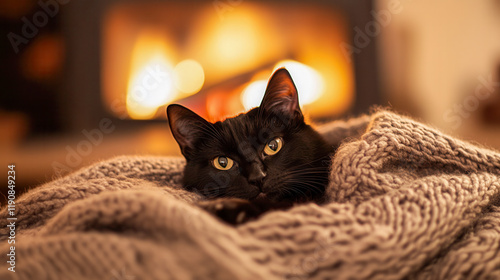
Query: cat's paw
point(231, 210)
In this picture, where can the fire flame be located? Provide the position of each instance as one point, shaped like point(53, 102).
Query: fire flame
point(150, 84)
point(154, 82)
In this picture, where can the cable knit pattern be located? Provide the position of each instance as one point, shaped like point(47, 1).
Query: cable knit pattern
point(404, 201)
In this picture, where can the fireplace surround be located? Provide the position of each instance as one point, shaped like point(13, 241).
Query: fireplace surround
point(87, 31)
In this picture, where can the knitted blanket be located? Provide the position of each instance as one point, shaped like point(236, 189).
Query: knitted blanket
point(405, 202)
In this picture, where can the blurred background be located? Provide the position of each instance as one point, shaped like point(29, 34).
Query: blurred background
point(86, 80)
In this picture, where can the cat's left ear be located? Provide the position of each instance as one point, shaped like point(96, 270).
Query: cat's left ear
point(281, 95)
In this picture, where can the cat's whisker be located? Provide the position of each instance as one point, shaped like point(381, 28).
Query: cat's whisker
point(314, 173)
point(295, 182)
point(308, 172)
point(301, 173)
point(310, 164)
point(294, 190)
point(314, 186)
point(297, 173)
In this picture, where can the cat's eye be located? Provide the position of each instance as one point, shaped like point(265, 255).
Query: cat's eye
point(274, 146)
point(222, 163)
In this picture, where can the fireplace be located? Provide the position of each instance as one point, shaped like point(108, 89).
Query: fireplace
point(130, 59)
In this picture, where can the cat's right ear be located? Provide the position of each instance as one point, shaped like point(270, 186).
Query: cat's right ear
point(281, 96)
point(186, 127)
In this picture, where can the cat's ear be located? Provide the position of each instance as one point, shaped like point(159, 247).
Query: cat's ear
point(186, 127)
point(281, 95)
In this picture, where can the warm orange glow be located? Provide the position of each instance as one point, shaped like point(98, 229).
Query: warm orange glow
point(189, 76)
point(223, 104)
point(150, 84)
point(236, 39)
point(253, 93)
point(245, 39)
point(309, 82)
point(229, 55)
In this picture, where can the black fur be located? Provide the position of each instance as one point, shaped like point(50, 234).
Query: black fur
point(297, 173)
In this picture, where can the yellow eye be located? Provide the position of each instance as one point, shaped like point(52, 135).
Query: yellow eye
point(273, 146)
point(222, 163)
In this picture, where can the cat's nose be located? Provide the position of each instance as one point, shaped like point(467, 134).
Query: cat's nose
point(256, 175)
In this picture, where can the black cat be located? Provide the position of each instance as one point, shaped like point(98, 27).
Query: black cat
point(267, 158)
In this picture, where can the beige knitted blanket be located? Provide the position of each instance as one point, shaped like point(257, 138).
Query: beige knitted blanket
point(406, 202)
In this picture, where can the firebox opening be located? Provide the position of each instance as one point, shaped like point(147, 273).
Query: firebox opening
point(217, 62)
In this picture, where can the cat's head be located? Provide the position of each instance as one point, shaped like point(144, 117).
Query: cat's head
point(267, 152)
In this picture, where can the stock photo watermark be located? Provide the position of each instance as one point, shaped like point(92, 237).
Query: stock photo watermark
point(308, 265)
point(154, 77)
point(31, 26)
point(11, 220)
point(460, 111)
point(121, 274)
point(363, 37)
point(75, 155)
point(224, 6)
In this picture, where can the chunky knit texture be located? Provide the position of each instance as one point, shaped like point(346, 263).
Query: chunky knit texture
point(405, 201)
